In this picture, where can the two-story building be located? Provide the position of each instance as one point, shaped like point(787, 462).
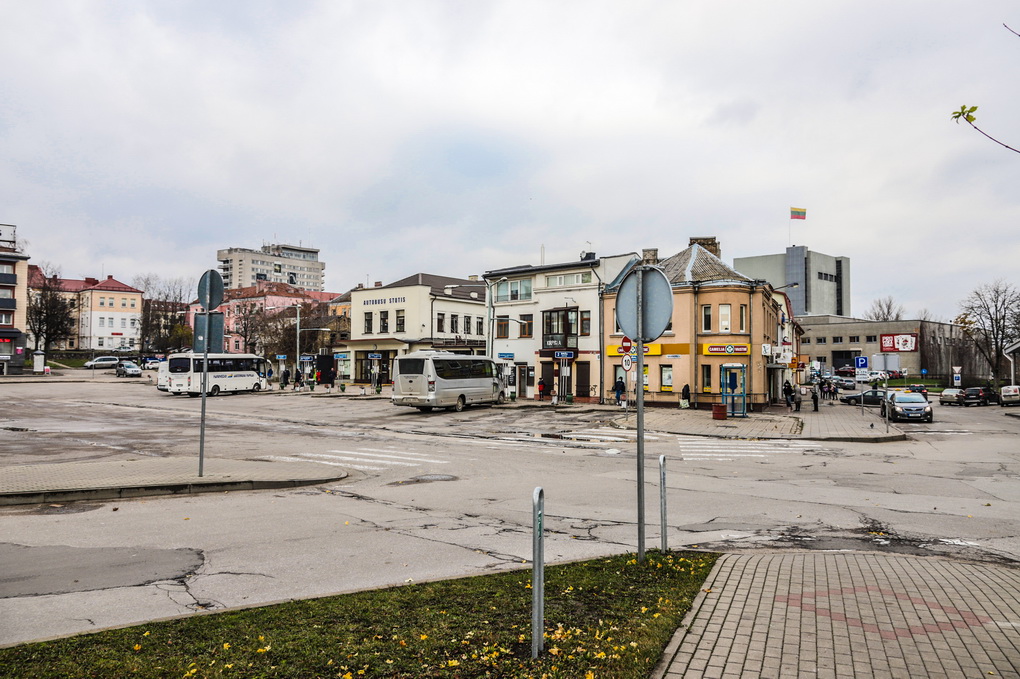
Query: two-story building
point(720, 339)
point(421, 311)
point(13, 303)
point(547, 322)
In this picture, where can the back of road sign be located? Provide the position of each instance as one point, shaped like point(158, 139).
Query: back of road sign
point(656, 303)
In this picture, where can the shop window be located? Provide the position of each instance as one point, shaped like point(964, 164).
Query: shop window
point(706, 378)
point(665, 378)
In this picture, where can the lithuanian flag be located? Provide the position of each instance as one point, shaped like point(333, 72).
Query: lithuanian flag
point(798, 213)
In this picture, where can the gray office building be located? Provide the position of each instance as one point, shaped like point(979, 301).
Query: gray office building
point(823, 281)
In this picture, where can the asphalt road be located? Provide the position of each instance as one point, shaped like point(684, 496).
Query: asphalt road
point(445, 494)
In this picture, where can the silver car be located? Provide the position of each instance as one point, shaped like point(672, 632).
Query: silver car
point(128, 369)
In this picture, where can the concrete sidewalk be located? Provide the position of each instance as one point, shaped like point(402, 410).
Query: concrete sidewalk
point(150, 476)
point(849, 615)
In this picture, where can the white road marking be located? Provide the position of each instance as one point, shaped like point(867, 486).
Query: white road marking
point(392, 457)
point(282, 458)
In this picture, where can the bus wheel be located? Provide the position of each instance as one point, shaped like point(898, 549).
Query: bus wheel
point(257, 387)
point(425, 409)
point(501, 399)
point(215, 391)
point(459, 405)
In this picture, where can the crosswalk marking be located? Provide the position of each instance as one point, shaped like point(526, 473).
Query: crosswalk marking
point(374, 455)
point(364, 460)
point(286, 458)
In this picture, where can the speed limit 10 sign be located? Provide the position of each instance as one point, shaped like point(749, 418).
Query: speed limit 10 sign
point(628, 362)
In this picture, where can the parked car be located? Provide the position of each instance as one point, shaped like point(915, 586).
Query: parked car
point(871, 397)
point(128, 369)
point(980, 396)
point(845, 384)
point(846, 371)
point(918, 389)
point(906, 405)
point(1009, 396)
point(151, 364)
point(103, 362)
point(951, 397)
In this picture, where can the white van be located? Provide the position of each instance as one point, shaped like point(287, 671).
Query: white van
point(163, 376)
point(441, 379)
point(1009, 396)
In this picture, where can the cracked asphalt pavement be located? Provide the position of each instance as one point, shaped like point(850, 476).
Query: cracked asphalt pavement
point(448, 494)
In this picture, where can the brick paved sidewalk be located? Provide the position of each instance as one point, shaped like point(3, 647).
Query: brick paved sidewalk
point(849, 615)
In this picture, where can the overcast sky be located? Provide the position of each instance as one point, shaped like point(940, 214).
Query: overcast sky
point(457, 137)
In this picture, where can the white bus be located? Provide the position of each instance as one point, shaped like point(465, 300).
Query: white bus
point(440, 379)
point(227, 372)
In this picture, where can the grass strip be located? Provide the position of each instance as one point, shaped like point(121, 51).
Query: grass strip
point(608, 617)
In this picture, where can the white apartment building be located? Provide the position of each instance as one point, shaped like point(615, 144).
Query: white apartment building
point(548, 323)
point(422, 311)
point(290, 264)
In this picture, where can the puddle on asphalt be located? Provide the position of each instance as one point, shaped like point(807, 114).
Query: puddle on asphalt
point(424, 478)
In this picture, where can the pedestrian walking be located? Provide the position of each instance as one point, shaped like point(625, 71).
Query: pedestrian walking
point(685, 396)
point(788, 393)
point(814, 398)
point(330, 380)
point(284, 379)
point(798, 398)
point(618, 389)
point(299, 381)
point(541, 388)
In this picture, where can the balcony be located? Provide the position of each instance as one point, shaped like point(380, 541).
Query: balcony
point(457, 342)
point(8, 303)
point(8, 279)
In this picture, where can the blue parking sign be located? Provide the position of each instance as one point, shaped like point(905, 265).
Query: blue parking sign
point(861, 362)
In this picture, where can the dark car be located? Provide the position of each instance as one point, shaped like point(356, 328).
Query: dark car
point(918, 389)
point(871, 397)
point(906, 405)
point(846, 371)
point(951, 397)
point(980, 396)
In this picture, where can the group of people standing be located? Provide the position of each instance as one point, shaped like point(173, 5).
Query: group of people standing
point(312, 377)
point(824, 390)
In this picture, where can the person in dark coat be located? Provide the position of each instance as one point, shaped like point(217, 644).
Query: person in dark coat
point(788, 393)
point(618, 390)
point(541, 388)
point(685, 396)
point(284, 379)
point(814, 398)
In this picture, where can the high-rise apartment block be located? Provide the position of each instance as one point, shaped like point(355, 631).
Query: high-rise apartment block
point(822, 281)
point(291, 264)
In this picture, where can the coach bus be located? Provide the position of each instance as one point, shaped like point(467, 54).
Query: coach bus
point(440, 379)
point(227, 372)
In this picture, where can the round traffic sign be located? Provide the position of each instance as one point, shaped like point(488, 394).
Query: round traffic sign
point(625, 345)
point(628, 362)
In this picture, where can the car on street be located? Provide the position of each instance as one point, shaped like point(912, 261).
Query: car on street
point(846, 371)
point(951, 397)
point(979, 396)
point(151, 364)
point(103, 362)
point(918, 389)
point(845, 384)
point(906, 405)
point(870, 397)
point(1009, 395)
point(128, 369)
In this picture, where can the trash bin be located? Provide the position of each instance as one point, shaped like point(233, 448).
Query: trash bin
point(718, 411)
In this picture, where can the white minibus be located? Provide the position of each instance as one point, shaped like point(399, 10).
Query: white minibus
point(227, 372)
point(440, 379)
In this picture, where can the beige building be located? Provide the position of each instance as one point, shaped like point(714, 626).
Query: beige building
point(291, 264)
point(13, 304)
point(721, 342)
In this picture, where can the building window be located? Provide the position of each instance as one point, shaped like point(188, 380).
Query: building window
point(440, 322)
point(480, 326)
point(454, 323)
point(837, 339)
point(820, 340)
point(368, 322)
point(123, 302)
point(559, 329)
point(567, 279)
point(102, 301)
point(123, 323)
point(706, 378)
point(384, 321)
point(724, 318)
point(527, 325)
point(102, 322)
point(854, 339)
point(502, 327)
point(237, 345)
point(6, 268)
point(665, 378)
point(871, 338)
point(820, 359)
point(6, 318)
point(510, 291)
point(400, 320)
point(585, 322)
point(805, 340)
point(743, 318)
point(99, 341)
point(706, 318)
point(467, 324)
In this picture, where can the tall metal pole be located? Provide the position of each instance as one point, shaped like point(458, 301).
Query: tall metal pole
point(640, 414)
point(297, 343)
point(205, 388)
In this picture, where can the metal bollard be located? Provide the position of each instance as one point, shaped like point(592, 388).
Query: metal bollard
point(537, 574)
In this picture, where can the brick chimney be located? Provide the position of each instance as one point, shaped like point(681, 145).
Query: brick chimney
point(650, 256)
point(710, 243)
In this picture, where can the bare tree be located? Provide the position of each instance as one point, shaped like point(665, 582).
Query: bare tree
point(249, 321)
point(164, 309)
point(884, 309)
point(989, 317)
point(51, 313)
